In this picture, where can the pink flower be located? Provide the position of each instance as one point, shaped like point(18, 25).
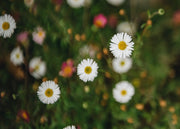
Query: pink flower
point(100, 21)
point(112, 21)
point(176, 17)
point(22, 37)
point(67, 68)
point(39, 35)
point(24, 115)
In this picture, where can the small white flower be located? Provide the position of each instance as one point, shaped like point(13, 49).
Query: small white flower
point(70, 127)
point(48, 92)
point(123, 92)
point(7, 26)
point(127, 27)
point(87, 70)
point(37, 67)
point(121, 45)
point(121, 65)
point(16, 56)
point(39, 35)
point(115, 2)
point(75, 3)
point(28, 3)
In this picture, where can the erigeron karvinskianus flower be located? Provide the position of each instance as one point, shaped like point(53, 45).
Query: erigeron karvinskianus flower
point(7, 26)
point(115, 2)
point(48, 92)
point(121, 65)
point(128, 27)
point(75, 3)
point(100, 21)
point(39, 35)
point(37, 67)
point(70, 127)
point(87, 70)
point(16, 56)
point(121, 45)
point(123, 92)
point(67, 68)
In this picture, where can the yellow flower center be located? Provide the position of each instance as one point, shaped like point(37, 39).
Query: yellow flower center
point(99, 23)
point(49, 92)
point(122, 63)
point(5, 25)
point(36, 67)
point(122, 45)
point(40, 33)
point(123, 92)
point(24, 115)
point(17, 55)
point(88, 70)
point(67, 70)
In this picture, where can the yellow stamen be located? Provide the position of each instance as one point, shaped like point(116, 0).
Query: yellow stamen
point(40, 33)
point(67, 70)
point(5, 25)
point(122, 45)
point(122, 63)
point(36, 67)
point(123, 92)
point(49, 92)
point(88, 70)
point(24, 115)
point(17, 55)
point(99, 23)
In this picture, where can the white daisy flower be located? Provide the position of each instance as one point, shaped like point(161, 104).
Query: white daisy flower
point(87, 70)
point(121, 45)
point(121, 65)
point(48, 92)
point(28, 3)
point(16, 56)
point(128, 27)
point(123, 92)
point(37, 67)
point(7, 26)
point(75, 3)
point(70, 127)
point(115, 2)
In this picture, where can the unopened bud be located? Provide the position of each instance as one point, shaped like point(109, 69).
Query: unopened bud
point(121, 12)
point(161, 11)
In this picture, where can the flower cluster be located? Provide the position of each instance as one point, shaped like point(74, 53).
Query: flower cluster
point(58, 55)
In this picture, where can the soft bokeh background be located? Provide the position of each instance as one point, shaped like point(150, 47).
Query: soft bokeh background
point(155, 73)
